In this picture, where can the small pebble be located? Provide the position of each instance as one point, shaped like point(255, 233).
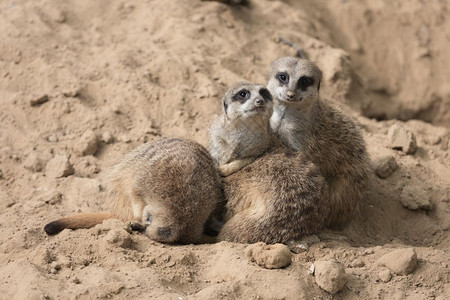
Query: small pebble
point(401, 261)
point(118, 237)
point(385, 275)
point(402, 139)
point(357, 263)
point(51, 197)
point(52, 138)
point(432, 140)
point(72, 91)
point(385, 166)
point(269, 256)
point(55, 265)
point(33, 162)
point(87, 144)
point(125, 138)
point(34, 101)
point(415, 197)
point(76, 280)
point(330, 276)
point(107, 137)
point(58, 167)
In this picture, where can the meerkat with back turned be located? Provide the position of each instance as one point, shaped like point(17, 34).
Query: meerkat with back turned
point(171, 186)
point(306, 123)
point(273, 195)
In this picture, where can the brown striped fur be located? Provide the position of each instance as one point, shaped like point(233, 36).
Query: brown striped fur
point(171, 185)
point(322, 132)
point(242, 132)
point(279, 197)
point(273, 195)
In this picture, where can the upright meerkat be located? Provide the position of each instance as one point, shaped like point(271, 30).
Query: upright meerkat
point(242, 133)
point(306, 123)
point(273, 195)
point(171, 185)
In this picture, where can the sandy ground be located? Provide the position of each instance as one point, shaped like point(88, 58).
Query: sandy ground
point(126, 72)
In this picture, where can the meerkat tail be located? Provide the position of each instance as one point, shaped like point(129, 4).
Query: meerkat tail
point(83, 220)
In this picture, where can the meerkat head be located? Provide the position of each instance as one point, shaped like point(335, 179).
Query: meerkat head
point(159, 226)
point(294, 80)
point(247, 100)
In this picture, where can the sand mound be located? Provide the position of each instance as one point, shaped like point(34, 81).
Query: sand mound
point(83, 82)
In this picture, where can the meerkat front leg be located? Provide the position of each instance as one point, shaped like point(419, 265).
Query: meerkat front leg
point(234, 166)
point(137, 206)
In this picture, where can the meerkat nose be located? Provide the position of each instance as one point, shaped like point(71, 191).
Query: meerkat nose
point(259, 102)
point(290, 94)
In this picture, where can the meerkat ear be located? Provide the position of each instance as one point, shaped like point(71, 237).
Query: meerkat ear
point(318, 85)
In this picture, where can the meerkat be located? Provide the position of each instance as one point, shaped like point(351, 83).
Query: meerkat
point(304, 122)
point(276, 195)
point(170, 186)
point(242, 133)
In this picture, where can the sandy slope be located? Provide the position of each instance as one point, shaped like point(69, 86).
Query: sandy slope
point(137, 70)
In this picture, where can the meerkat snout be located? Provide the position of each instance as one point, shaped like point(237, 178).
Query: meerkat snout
point(290, 95)
point(259, 102)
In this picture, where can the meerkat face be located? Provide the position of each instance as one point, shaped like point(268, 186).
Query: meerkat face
point(158, 225)
point(247, 100)
point(294, 80)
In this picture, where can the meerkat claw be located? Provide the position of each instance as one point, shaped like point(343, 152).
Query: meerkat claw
point(137, 226)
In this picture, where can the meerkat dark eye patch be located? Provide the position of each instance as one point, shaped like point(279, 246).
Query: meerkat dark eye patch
point(282, 77)
point(304, 82)
point(149, 219)
point(265, 94)
point(242, 96)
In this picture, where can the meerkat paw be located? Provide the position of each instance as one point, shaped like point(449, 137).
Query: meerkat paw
point(234, 166)
point(303, 244)
point(137, 226)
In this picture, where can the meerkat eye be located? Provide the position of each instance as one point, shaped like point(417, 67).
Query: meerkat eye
point(242, 95)
point(304, 82)
point(283, 77)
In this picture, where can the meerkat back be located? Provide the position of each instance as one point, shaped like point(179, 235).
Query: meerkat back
point(171, 185)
